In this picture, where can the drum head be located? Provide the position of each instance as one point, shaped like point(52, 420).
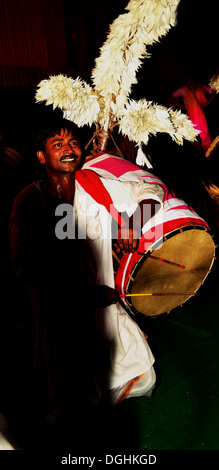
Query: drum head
point(192, 248)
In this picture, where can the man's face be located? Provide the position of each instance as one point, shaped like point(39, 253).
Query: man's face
point(62, 154)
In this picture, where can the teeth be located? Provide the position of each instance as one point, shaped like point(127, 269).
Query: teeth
point(72, 159)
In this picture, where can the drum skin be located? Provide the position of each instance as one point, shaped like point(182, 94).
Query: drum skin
point(174, 268)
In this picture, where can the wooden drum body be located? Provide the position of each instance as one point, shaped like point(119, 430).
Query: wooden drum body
point(169, 271)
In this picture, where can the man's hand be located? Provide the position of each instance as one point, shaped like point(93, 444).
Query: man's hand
point(129, 235)
point(127, 240)
point(103, 296)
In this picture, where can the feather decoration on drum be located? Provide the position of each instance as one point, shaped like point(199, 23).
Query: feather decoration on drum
point(106, 104)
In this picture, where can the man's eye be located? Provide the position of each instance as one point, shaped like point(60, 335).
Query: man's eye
point(74, 143)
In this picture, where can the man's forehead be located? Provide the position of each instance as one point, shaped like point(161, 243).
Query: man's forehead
point(63, 134)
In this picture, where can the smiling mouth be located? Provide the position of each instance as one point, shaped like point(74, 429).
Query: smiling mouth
point(69, 158)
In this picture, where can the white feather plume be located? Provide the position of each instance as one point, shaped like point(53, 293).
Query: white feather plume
point(107, 103)
point(143, 118)
point(125, 48)
point(183, 127)
point(142, 159)
point(76, 98)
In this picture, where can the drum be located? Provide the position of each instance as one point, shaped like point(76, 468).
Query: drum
point(168, 272)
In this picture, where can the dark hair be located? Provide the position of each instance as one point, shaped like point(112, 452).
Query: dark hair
point(49, 128)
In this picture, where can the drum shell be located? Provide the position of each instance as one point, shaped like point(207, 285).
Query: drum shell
point(175, 263)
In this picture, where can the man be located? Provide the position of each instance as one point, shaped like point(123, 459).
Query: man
point(76, 267)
